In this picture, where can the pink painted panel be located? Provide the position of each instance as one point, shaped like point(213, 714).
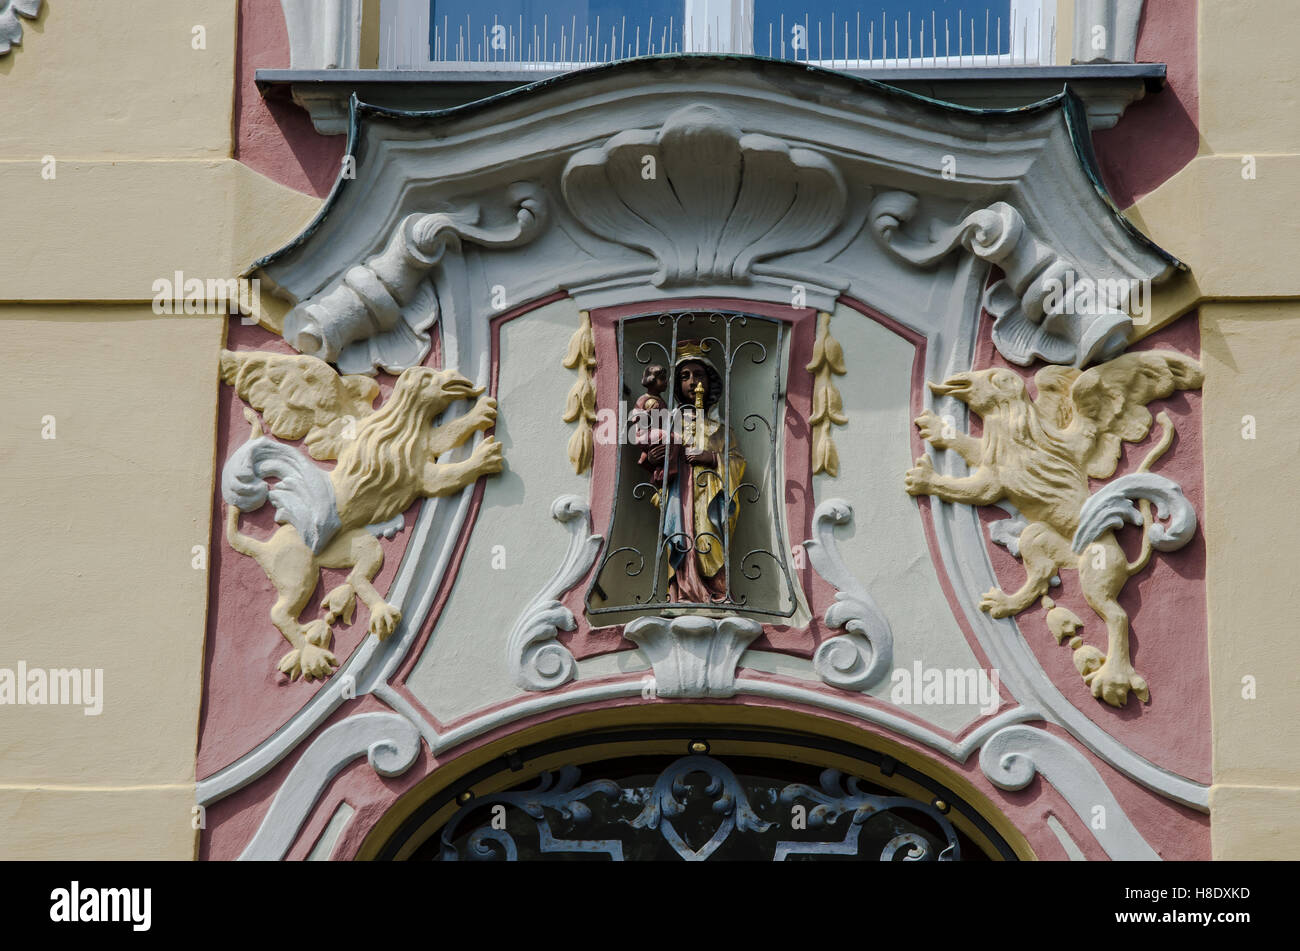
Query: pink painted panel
point(276, 137)
point(1176, 728)
point(1165, 602)
point(1159, 134)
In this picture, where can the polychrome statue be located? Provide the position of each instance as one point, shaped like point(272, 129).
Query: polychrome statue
point(703, 467)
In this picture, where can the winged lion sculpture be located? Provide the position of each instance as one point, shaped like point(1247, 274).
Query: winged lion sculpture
point(387, 458)
point(1038, 455)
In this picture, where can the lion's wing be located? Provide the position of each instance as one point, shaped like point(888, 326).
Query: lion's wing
point(300, 396)
point(1110, 401)
point(1053, 402)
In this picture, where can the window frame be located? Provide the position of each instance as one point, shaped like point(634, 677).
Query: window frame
point(404, 24)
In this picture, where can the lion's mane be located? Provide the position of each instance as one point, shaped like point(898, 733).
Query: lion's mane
point(379, 472)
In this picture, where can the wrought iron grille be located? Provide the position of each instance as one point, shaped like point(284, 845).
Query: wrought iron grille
point(698, 808)
point(640, 560)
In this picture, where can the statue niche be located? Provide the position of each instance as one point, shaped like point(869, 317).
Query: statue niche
point(694, 523)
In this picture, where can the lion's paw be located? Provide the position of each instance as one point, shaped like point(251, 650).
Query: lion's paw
point(291, 664)
point(1088, 659)
point(384, 619)
point(934, 430)
point(310, 662)
point(317, 662)
point(340, 603)
point(919, 479)
point(1112, 682)
point(484, 413)
point(997, 603)
point(317, 632)
point(488, 456)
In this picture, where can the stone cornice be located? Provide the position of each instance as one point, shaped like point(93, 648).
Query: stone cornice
point(1106, 89)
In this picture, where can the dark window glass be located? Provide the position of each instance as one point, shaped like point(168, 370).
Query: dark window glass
point(885, 29)
point(569, 31)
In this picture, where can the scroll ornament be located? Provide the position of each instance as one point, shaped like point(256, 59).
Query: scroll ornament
point(860, 657)
point(1040, 309)
point(537, 659)
point(11, 28)
point(380, 314)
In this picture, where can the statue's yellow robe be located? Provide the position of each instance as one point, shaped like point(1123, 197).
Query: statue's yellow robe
point(695, 508)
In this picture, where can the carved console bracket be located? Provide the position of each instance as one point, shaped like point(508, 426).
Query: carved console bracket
point(537, 659)
point(858, 659)
point(693, 656)
point(707, 200)
point(1038, 308)
point(378, 316)
point(828, 408)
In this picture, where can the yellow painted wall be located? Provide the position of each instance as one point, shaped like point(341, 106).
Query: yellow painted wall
point(1251, 351)
point(99, 523)
point(1249, 83)
point(1241, 238)
point(120, 79)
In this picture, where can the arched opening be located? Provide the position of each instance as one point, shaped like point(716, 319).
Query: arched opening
point(697, 792)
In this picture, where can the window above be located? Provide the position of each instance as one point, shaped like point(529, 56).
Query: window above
point(460, 34)
point(432, 54)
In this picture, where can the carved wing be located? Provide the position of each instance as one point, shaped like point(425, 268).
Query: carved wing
point(1054, 402)
point(300, 396)
point(1110, 401)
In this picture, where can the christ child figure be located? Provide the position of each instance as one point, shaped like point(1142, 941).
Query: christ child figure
point(648, 417)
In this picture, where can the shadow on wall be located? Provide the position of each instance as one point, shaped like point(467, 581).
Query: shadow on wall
point(276, 137)
point(1158, 135)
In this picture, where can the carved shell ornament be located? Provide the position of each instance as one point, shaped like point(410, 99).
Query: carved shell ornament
point(706, 200)
point(11, 28)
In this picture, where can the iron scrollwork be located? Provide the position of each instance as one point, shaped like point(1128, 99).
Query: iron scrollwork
point(643, 818)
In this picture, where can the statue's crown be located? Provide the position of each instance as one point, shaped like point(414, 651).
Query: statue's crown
point(688, 350)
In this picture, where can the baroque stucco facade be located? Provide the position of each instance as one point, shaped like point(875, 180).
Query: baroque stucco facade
point(129, 154)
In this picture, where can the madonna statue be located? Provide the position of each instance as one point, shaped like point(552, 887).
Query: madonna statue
point(702, 473)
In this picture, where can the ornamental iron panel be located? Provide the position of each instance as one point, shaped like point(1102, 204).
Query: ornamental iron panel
point(697, 808)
